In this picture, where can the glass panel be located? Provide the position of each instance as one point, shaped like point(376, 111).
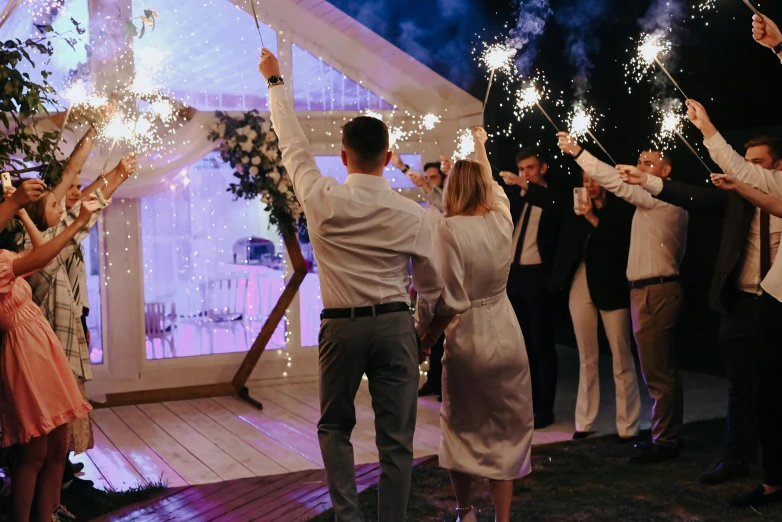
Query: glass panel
point(66, 62)
point(317, 86)
point(309, 295)
point(91, 248)
point(213, 268)
point(210, 54)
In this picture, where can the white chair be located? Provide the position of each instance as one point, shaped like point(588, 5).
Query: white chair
point(226, 307)
point(161, 325)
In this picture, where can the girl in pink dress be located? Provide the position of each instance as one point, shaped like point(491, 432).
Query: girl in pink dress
point(38, 393)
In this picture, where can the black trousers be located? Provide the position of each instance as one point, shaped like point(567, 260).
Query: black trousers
point(535, 310)
point(435, 373)
point(741, 344)
point(769, 394)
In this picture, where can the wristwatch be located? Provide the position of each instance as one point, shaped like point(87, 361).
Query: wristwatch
point(274, 80)
point(407, 167)
point(777, 48)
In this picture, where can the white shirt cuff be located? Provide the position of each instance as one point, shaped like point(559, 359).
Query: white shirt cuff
point(654, 185)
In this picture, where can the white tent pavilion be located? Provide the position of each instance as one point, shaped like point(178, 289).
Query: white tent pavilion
point(167, 241)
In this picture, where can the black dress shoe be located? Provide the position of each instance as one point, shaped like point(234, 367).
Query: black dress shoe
point(650, 453)
point(757, 497)
point(543, 421)
point(725, 471)
point(77, 466)
point(582, 435)
point(429, 388)
point(628, 440)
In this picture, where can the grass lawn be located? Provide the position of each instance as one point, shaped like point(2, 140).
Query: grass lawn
point(590, 480)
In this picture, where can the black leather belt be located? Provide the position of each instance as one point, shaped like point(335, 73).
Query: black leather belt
point(643, 283)
point(364, 311)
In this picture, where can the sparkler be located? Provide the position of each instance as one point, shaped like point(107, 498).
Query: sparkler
point(395, 135)
point(671, 125)
point(530, 97)
point(257, 25)
point(465, 145)
point(580, 122)
point(652, 46)
point(755, 10)
point(429, 121)
point(496, 57)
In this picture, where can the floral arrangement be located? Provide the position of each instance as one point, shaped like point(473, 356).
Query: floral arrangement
point(250, 146)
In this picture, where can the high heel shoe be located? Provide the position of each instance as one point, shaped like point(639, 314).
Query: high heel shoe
point(466, 514)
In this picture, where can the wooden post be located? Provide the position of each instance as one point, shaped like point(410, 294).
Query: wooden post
point(278, 312)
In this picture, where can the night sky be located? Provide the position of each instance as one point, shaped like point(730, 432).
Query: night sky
point(718, 64)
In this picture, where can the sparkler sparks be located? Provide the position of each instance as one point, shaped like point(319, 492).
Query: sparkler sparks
point(163, 109)
point(527, 99)
point(395, 135)
point(651, 50)
point(671, 122)
point(76, 93)
point(580, 122)
point(499, 57)
point(465, 145)
point(373, 114)
point(429, 121)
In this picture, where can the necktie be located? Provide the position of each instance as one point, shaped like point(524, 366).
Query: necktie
point(524, 225)
point(765, 244)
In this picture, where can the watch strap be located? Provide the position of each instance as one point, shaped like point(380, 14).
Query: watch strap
point(777, 48)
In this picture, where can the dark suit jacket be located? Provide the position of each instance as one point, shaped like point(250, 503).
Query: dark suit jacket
point(604, 249)
point(736, 213)
point(550, 218)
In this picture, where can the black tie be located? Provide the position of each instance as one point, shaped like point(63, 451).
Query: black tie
point(524, 224)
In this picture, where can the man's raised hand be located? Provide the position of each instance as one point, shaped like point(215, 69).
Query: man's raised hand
point(29, 191)
point(445, 165)
point(480, 135)
point(725, 182)
point(632, 175)
point(568, 144)
point(697, 114)
point(765, 31)
point(269, 66)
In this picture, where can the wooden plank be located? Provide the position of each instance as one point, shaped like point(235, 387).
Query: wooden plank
point(135, 511)
point(364, 450)
point(117, 471)
point(185, 463)
point(162, 510)
point(248, 456)
point(166, 394)
point(222, 464)
point(142, 457)
point(281, 432)
point(270, 490)
point(268, 446)
point(90, 471)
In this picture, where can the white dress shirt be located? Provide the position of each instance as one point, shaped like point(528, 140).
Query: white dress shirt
point(749, 278)
point(530, 253)
point(770, 182)
point(658, 238)
point(363, 233)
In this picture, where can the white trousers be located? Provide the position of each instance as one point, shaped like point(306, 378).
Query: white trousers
point(618, 330)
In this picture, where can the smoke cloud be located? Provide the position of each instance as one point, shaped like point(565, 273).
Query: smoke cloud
point(533, 15)
point(580, 20)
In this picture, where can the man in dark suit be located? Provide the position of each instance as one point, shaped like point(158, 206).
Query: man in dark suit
point(750, 239)
point(534, 246)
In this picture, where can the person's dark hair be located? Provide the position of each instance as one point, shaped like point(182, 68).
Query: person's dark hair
point(8, 239)
point(665, 157)
point(531, 152)
point(37, 212)
point(773, 143)
point(434, 165)
point(365, 141)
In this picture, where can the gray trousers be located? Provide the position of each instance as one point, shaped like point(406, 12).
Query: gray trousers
point(655, 311)
point(385, 348)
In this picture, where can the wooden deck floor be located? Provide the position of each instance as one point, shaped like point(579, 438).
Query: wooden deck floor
point(291, 497)
point(228, 446)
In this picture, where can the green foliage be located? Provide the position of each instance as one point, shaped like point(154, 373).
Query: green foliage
point(21, 100)
point(249, 145)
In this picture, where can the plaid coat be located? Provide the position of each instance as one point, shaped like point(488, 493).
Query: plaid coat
point(53, 294)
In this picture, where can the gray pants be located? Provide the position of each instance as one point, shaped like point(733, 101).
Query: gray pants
point(655, 310)
point(385, 348)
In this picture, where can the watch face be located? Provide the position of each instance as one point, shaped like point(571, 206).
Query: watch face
point(274, 80)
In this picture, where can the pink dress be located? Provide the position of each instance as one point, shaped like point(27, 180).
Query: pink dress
point(38, 391)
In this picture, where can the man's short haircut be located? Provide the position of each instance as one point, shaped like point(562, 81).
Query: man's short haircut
point(773, 143)
point(433, 165)
point(531, 152)
point(665, 157)
point(365, 141)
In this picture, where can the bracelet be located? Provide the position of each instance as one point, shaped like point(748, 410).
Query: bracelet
point(407, 167)
point(579, 153)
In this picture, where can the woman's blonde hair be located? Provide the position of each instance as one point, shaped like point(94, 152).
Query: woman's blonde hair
point(467, 189)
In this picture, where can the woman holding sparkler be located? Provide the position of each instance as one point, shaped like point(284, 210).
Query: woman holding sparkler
point(589, 265)
point(486, 417)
